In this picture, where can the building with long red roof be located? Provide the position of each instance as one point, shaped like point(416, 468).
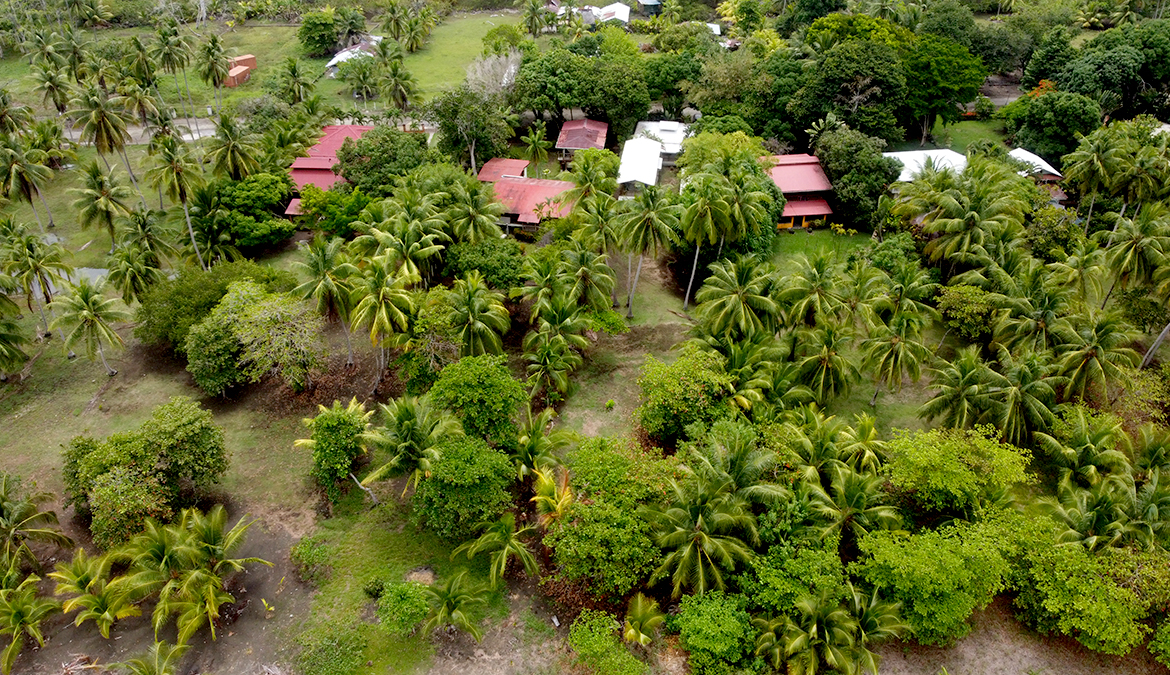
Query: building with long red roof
point(581, 134)
point(317, 168)
point(805, 187)
point(530, 200)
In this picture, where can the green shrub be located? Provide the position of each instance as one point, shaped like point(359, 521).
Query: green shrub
point(483, 394)
point(593, 636)
point(334, 649)
point(213, 356)
point(967, 310)
point(620, 472)
point(1160, 645)
point(402, 607)
point(248, 232)
point(692, 389)
point(717, 631)
point(500, 260)
point(893, 251)
point(609, 322)
point(121, 500)
point(606, 546)
point(336, 442)
point(1052, 233)
point(334, 210)
point(318, 33)
point(375, 162)
point(311, 555)
point(788, 573)
point(468, 485)
point(261, 195)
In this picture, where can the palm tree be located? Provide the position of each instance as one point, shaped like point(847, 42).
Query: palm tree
point(233, 152)
point(101, 201)
point(648, 224)
point(552, 494)
point(1091, 448)
point(733, 457)
point(504, 542)
point(103, 602)
point(52, 83)
point(77, 576)
point(143, 229)
point(735, 300)
point(215, 542)
point(533, 15)
point(825, 368)
point(1022, 397)
point(590, 279)
point(962, 390)
point(172, 52)
point(1082, 270)
point(853, 505)
point(706, 216)
point(328, 275)
point(103, 125)
point(398, 85)
point(1142, 245)
point(395, 18)
point(35, 265)
point(412, 433)
point(22, 521)
point(537, 444)
point(23, 172)
point(770, 641)
point(14, 117)
point(536, 144)
point(12, 343)
point(1092, 165)
point(452, 603)
point(133, 272)
point(176, 173)
point(474, 213)
point(551, 360)
point(214, 64)
point(21, 614)
point(139, 102)
point(820, 637)
point(384, 302)
point(295, 85)
point(642, 620)
point(1095, 518)
point(896, 352)
point(87, 314)
point(160, 659)
point(877, 621)
point(1096, 354)
point(479, 315)
point(697, 529)
point(813, 291)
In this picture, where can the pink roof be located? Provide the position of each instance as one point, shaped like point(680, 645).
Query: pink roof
point(581, 134)
point(807, 207)
point(322, 178)
point(314, 163)
point(294, 208)
point(795, 174)
point(334, 136)
point(525, 197)
point(498, 167)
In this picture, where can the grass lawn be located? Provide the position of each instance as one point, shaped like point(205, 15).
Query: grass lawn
point(791, 243)
point(454, 44)
point(957, 136)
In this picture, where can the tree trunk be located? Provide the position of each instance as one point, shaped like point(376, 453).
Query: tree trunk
point(873, 400)
point(198, 133)
point(37, 216)
point(719, 253)
point(629, 274)
point(46, 205)
point(630, 301)
point(191, 231)
point(694, 268)
point(348, 342)
point(1115, 224)
point(179, 92)
point(1111, 287)
point(1154, 347)
point(105, 161)
point(471, 148)
point(102, 353)
point(133, 178)
point(1089, 216)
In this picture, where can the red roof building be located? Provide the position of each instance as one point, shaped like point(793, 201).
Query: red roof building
point(805, 186)
point(317, 168)
point(499, 167)
point(333, 136)
point(581, 134)
point(532, 199)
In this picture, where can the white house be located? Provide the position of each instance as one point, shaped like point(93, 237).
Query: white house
point(913, 161)
point(670, 134)
point(641, 161)
point(1043, 171)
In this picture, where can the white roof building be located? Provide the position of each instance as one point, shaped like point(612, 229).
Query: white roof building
point(641, 161)
point(365, 48)
point(1036, 162)
point(591, 14)
point(913, 161)
point(670, 134)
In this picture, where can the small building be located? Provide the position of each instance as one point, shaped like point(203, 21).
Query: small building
point(650, 7)
point(805, 186)
point(641, 161)
point(237, 75)
point(670, 134)
point(363, 49)
point(913, 161)
point(316, 171)
point(618, 11)
point(333, 135)
point(579, 135)
point(531, 200)
point(244, 60)
point(500, 167)
point(1042, 171)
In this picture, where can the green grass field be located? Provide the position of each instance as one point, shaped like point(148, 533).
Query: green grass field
point(957, 136)
point(792, 243)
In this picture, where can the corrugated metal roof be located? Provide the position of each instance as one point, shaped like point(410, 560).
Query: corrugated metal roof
point(581, 134)
point(807, 207)
point(913, 161)
point(641, 161)
point(525, 197)
point(498, 167)
point(322, 178)
point(333, 136)
point(1036, 161)
point(796, 174)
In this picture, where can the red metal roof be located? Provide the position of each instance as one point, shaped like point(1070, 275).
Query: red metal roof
point(525, 197)
point(294, 208)
point(795, 174)
point(498, 167)
point(314, 162)
point(581, 134)
point(334, 136)
point(807, 207)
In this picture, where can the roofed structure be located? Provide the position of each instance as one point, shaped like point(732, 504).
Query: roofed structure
point(530, 199)
point(1044, 172)
point(317, 171)
point(499, 167)
point(671, 134)
point(914, 160)
point(799, 174)
point(333, 136)
point(581, 134)
point(641, 161)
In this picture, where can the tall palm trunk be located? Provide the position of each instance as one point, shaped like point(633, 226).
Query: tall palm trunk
point(102, 353)
point(191, 231)
point(694, 268)
point(1089, 216)
point(46, 205)
point(629, 275)
point(1154, 347)
point(348, 342)
point(634, 289)
point(133, 178)
point(179, 92)
point(194, 112)
point(37, 216)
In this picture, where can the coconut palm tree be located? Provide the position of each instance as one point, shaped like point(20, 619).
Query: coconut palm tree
point(22, 521)
point(770, 640)
point(1141, 247)
point(176, 173)
point(824, 366)
point(21, 615)
point(172, 52)
point(12, 340)
point(133, 272)
point(533, 16)
point(1021, 398)
point(398, 86)
point(1082, 270)
point(139, 101)
point(295, 85)
point(76, 577)
point(87, 314)
point(160, 659)
point(536, 144)
point(503, 542)
point(452, 604)
point(143, 229)
point(1092, 165)
point(216, 543)
point(479, 315)
point(642, 620)
point(551, 360)
point(105, 603)
point(820, 637)
point(101, 201)
point(735, 299)
point(232, 151)
point(1095, 518)
point(733, 457)
point(698, 529)
point(817, 447)
point(588, 279)
point(853, 505)
point(103, 124)
point(648, 224)
point(538, 444)
point(35, 266)
point(877, 621)
point(552, 494)
point(23, 172)
point(214, 64)
point(413, 429)
point(962, 396)
point(14, 117)
point(813, 292)
point(1096, 354)
point(52, 83)
point(474, 213)
point(328, 274)
point(895, 352)
point(706, 216)
point(1091, 449)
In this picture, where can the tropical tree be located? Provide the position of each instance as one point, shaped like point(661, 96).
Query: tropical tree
point(820, 637)
point(589, 280)
point(86, 315)
point(328, 274)
point(176, 173)
point(962, 396)
point(22, 521)
point(474, 213)
point(648, 224)
point(552, 494)
point(1096, 354)
point(533, 16)
point(825, 368)
point(295, 84)
point(504, 543)
point(479, 315)
point(14, 117)
point(642, 620)
point(1092, 448)
point(214, 65)
point(102, 200)
point(103, 125)
point(23, 172)
point(854, 505)
point(1092, 165)
point(536, 144)
point(35, 266)
point(52, 83)
point(813, 291)
point(160, 659)
point(1140, 249)
point(735, 299)
point(452, 604)
point(399, 87)
point(538, 444)
point(233, 151)
point(172, 51)
point(551, 360)
point(133, 272)
point(1022, 396)
point(21, 614)
point(413, 429)
point(877, 621)
point(103, 602)
point(706, 216)
point(1082, 270)
point(895, 352)
point(143, 229)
